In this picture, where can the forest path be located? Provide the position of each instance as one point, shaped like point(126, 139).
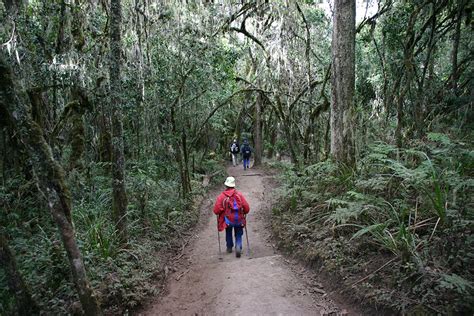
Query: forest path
point(263, 284)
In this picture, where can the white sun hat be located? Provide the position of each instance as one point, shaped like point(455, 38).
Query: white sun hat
point(230, 182)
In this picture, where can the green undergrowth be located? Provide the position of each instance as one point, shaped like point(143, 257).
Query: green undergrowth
point(396, 231)
point(122, 275)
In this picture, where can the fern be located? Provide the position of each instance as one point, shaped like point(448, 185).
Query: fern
point(343, 215)
point(440, 138)
point(457, 283)
point(369, 229)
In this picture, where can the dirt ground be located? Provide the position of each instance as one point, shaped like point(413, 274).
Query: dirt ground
point(263, 283)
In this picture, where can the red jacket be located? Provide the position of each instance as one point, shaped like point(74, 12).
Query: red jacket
point(219, 208)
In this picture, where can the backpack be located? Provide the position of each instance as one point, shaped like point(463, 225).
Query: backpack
point(246, 150)
point(233, 211)
point(234, 148)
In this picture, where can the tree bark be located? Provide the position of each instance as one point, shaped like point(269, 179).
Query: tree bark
point(421, 101)
point(454, 52)
point(238, 123)
point(272, 129)
point(51, 177)
point(17, 286)
point(105, 140)
point(187, 177)
point(119, 203)
point(406, 73)
point(286, 126)
point(77, 140)
point(343, 81)
point(258, 131)
point(327, 141)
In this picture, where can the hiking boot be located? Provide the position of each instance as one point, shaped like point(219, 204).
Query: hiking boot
point(229, 250)
point(238, 252)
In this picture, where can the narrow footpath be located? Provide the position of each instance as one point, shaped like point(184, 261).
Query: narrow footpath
point(264, 283)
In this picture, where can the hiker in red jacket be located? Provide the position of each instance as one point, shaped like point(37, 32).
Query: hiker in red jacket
point(231, 208)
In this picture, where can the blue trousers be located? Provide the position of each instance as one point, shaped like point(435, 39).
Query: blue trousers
point(246, 163)
point(238, 231)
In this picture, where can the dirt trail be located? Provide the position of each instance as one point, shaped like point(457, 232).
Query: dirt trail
point(263, 284)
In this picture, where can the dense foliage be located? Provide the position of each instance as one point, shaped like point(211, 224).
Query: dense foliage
point(406, 212)
point(194, 74)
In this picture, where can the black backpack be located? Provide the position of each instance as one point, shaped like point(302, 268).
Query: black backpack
point(246, 150)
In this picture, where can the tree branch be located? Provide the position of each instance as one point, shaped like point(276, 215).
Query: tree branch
point(221, 104)
point(371, 20)
point(244, 31)
point(302, 92)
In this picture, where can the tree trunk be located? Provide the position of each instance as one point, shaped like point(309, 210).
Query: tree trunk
point(286, 126)
point(238, 123)
point(454, 53)
point(4, 149)
point(180, 151)
point(327, 141)
point(105, 140)
point(343, 81)
point(258, 131)
point(187, 177)
point(421, 99)
point(119, 204)
point(77, 140)
point(272, 129)
point(17, 286)
point(38, 107)
point(77, 134)
point(290, 140)
point(306, 141)
point(51, 177)
point(13, 154)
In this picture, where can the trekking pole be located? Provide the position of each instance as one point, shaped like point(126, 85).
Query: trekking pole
point(219, 238)
point(247, 237)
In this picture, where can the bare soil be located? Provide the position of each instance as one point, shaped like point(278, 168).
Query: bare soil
point(263, 283)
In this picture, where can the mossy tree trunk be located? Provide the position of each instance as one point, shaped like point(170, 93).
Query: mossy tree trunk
point(51, 180)
point(343, 81)
point(455, 49)
point(238, 122)
point(258, 131)
point(271, 127)
point(119, 202)
point(186, 174)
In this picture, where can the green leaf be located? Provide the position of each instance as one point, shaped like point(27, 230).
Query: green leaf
point(369, 229)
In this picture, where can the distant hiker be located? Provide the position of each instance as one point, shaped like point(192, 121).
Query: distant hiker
point(246, 153)
point(231, 208)
point(234, 150)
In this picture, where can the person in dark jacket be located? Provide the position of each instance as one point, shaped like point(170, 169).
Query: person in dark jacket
point(246, 153)
point(231, 208)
